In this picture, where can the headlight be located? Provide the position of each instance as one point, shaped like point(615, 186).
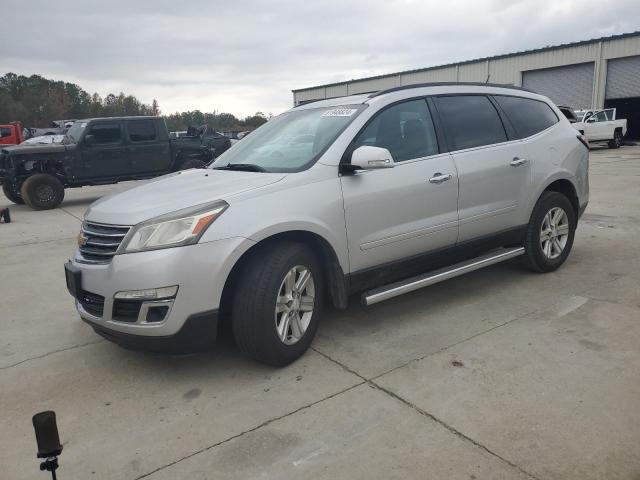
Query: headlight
point(184, 227)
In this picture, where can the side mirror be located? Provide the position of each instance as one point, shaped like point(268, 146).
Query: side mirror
point(89, 139)
point(370, 158)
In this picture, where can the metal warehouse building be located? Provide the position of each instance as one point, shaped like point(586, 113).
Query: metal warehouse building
point(603, 72)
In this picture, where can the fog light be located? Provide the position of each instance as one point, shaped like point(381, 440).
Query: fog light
point(148, 294)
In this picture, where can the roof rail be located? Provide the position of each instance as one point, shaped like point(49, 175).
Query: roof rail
point(446, 84)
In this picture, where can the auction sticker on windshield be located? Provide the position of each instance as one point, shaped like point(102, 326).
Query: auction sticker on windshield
point(339, 112)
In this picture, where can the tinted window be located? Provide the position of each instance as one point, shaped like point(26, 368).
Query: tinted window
point(5, 132)
point(142, 131)
point(406, 130)
point(527, 116)
point(470, 121)
point(105, 133)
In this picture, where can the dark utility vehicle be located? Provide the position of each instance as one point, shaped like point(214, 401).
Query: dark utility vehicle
point(101, 151)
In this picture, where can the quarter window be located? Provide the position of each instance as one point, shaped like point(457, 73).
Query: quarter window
point(141, 131)
point(527, 116)
point(470, 121)
point(405, 129)
point(105, 133)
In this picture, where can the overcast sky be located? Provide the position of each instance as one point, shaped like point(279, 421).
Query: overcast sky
point(243, 57)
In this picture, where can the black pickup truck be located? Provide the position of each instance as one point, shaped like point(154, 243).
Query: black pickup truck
point(100, 151)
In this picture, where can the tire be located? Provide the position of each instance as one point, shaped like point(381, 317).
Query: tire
point(191, 163)
point(12, 193)
point(617, 140)
point(42, 191)
point(264, 328)
point(542, 253)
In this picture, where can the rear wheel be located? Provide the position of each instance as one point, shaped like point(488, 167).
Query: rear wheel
point(277, 303)
point(617, 140)
point(12, 192)
point(42, 191)
point(550, 233)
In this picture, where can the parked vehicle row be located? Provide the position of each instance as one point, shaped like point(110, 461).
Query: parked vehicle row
point(377, 194)
point(101, 151)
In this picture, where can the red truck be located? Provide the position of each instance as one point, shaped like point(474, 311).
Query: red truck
point(11, 134)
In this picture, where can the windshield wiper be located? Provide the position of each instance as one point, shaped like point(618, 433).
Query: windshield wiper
point(245, 167)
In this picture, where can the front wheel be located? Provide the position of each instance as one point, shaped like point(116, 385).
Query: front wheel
point(42, 191)
point(617, 140)
point(550, 233)
point(12, 192)
point(277, 303)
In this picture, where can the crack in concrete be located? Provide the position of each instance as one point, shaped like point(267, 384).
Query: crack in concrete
point(51, 353)
point(452, 429)
point(24, 244)
point(253, 429)
point(69, 213)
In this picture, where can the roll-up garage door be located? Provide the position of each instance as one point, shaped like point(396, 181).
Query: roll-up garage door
point(571, 86)
point(623, 78)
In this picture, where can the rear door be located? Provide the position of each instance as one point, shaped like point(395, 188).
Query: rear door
point(493, 169)
point(148, 151)
point(106, 157)
point(395, 213)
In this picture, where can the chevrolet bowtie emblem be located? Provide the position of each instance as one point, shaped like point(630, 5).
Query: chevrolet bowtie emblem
point(82, 240)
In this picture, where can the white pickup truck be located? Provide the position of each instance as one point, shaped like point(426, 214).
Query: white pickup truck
point(601, 126)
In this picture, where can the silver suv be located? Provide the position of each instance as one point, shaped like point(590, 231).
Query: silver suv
point(376, 194)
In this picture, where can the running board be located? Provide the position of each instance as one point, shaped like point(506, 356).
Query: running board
point(391, 290)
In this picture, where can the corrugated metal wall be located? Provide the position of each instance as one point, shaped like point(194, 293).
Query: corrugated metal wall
point(507, 70)
point(623, 78)
point(571, 85)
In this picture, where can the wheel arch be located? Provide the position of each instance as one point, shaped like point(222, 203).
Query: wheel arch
point(334, 277)
point(567, 188)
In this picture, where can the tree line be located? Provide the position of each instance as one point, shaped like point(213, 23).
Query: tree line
point(37, 101)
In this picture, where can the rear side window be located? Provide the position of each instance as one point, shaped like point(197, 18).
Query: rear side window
point(141, 131)
point(405, 129)
point(527, 116)
point(5, 132)
point(470, 121)
point(105, 133)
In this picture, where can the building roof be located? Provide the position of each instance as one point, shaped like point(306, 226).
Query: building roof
point(483, 59)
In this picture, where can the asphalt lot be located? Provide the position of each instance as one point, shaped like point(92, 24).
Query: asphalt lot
point(499, 374)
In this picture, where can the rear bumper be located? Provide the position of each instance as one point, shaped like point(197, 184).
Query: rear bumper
point(198, 333)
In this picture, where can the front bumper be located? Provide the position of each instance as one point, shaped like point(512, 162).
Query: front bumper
point(200, 272)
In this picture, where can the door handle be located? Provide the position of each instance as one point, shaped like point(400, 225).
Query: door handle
point(439, 178)
point(516, 162)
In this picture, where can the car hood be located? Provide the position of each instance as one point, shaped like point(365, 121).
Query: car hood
point(174, 192)
point(28, 149)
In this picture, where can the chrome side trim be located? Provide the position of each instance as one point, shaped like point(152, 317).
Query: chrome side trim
point(386, 292)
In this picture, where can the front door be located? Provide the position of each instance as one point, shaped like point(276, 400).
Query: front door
point(395, 213)
point(106, 156)
point(598, 127)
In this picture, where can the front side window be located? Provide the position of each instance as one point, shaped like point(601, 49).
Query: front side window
point(5, 132)
point(105, 133)
point(290, 142)
point(470, 121)
point(141, 131)
point(527, 116)
point(598, 117)
point(405, 129)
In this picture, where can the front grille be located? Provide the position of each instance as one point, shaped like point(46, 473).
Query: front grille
point(101, 241)
point(92, 303)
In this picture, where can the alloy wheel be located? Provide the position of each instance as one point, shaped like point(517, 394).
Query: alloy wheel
point(294, 304)
point(554, 233)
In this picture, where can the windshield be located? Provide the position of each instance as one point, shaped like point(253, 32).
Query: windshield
point(75, 132)
point(290, 142)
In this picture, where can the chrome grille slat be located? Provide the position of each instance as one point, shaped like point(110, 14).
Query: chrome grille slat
point(102, 241)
